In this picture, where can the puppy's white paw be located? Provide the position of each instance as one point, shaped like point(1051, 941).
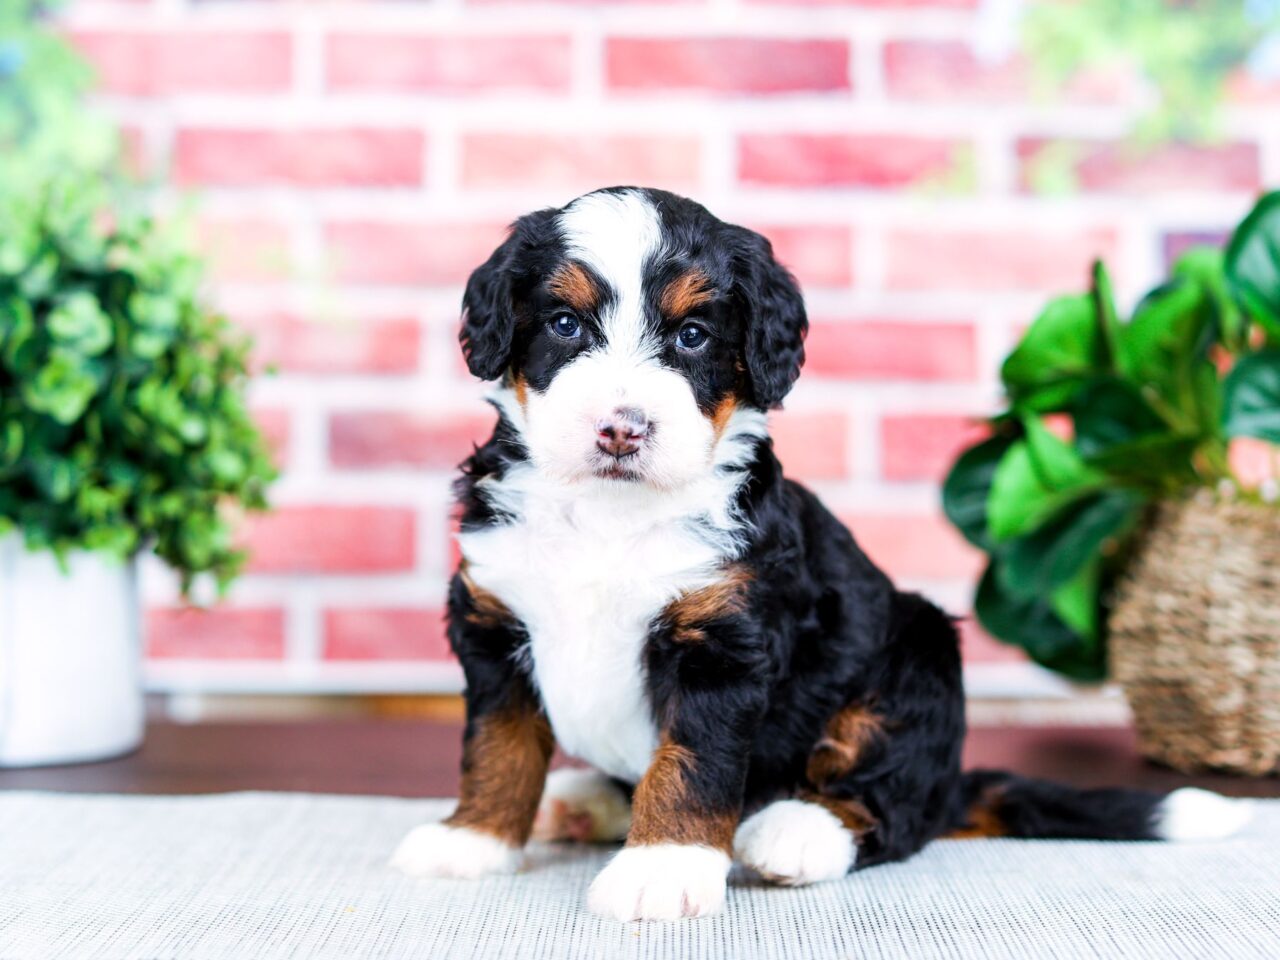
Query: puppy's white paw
point(795, 843)
point(582, 805)
point(666, 881)
point(439, 850)
point(1190, 815)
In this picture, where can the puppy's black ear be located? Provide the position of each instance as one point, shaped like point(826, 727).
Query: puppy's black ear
point(776, 324)
point(489, 306)
point(488, 313)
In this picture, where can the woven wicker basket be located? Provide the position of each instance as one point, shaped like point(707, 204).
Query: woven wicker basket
point(1195, 636)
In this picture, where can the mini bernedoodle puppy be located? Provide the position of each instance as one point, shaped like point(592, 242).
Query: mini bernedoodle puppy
point(642, 585)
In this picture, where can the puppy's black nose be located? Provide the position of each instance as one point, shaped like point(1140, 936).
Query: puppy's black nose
point(621, 433)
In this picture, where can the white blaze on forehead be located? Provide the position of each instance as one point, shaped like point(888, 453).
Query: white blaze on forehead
point(616, 234)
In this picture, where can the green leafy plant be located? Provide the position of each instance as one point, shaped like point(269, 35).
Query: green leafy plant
point(1106, 416)
point(123, 422)
point(1185, 51)
point(122, 415)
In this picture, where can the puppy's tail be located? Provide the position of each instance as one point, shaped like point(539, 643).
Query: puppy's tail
point(999, 804)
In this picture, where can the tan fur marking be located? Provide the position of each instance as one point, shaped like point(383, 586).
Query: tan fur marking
point(855, 817)
point(504, 767)
point(686, 293)
point(664, 811)
point(698, 607)
point(572, 284)
point(520, 386)
point(847, 736)
point(984, 819)
point(487, 610)
point(722, 413)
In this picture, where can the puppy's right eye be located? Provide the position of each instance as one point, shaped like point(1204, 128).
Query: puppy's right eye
point(565, 326)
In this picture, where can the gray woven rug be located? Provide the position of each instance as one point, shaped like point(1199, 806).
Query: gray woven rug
point(259, 875)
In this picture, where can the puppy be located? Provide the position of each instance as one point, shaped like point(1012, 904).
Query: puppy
point(642, 585)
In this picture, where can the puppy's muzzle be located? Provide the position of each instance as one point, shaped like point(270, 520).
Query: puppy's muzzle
point(622, 433)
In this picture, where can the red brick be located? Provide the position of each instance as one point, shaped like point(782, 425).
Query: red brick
point(891, 350)
point(338, 345)
point(581, 4)
point(1168, 168)
point(978, 260)
point(812, 445)
point(726, 65)
point(872, 4)
point(978, 646)
point(386, 61)
point(219, 633)
point(246, 249)
point(314, 158)
point(580, 162)
point(331, 539)
point(410, 253)
point(948, 70)
point(397, 633)
point(275, 427)
point(923, 446)
point(371, 438)
point(917, 546)
point(830, 160)
point(161, 63)
point(820, 255)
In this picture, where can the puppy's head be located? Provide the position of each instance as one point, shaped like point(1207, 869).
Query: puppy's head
point(630, 327)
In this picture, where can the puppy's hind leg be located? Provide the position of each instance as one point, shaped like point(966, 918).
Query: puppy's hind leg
point(802, 840)
point(582, 805)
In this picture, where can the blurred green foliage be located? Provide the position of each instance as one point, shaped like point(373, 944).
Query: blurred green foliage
point(1184, 51)
point(123, 422)
point(1106, 416)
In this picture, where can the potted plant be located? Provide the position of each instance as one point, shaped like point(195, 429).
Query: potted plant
point(123, 427)
point(123, 424)
point(1116, 529)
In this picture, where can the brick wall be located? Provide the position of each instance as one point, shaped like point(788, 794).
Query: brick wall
point(354, 160)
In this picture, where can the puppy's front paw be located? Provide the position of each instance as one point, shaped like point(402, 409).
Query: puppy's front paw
point(666, 881)
point(582, 805)
point(439, 850)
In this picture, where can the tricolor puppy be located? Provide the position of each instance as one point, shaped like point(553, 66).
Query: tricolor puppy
point(642, 584)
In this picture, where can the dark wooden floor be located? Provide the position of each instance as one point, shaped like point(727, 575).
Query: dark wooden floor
point(419, 758)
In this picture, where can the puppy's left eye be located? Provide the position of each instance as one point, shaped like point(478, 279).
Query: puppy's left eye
point(691, 336)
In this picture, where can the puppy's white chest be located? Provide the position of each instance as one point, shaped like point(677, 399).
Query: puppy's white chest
point(587, 596)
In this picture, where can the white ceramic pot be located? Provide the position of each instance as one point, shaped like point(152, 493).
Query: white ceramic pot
point(70, 658)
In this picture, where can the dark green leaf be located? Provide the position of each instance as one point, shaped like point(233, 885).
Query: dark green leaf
point(1041, 562)
point(1062, 349)
point(1059, 465)
point(1033, 625)
point(1252, 397)
point(78, 322)
point(1206, 267)
point(1110, 413)
point(62, 388)
point(1022, 497)
point(1104, 305)
point(1077, 604)
point(968, 485)
point(1164, 351)
point(1252, 262)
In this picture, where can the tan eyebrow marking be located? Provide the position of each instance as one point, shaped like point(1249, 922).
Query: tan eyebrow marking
point(686, 292)
point(572, 284)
